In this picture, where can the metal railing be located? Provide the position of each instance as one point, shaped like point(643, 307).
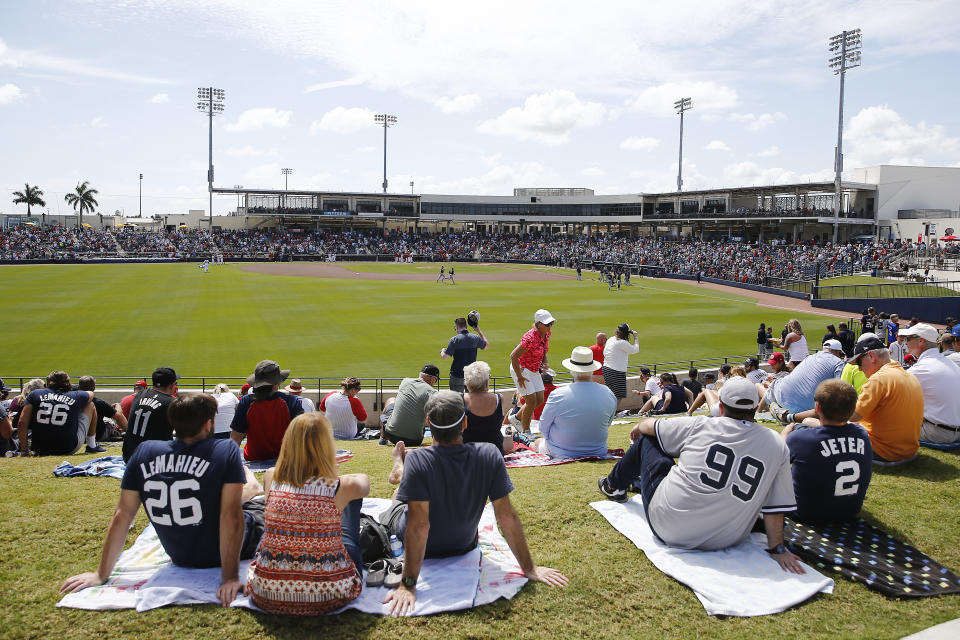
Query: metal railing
point(889, 290)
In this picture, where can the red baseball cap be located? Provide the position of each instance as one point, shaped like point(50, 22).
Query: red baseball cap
point(141, 383)
point(775, 358)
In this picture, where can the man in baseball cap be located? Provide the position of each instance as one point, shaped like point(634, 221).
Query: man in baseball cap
point(794, 393)
point(940, 380)
point(702, 507)
point(403, 418)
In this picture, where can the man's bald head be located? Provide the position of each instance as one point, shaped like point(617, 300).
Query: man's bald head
point(601, 339)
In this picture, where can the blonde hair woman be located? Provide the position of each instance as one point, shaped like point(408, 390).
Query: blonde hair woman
point(794, 343)
point(309, 560)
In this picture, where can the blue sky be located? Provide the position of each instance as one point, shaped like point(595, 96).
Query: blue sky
point(489, 95)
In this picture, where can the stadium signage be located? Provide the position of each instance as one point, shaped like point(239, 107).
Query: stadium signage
point(335, 213)
point(371, 214)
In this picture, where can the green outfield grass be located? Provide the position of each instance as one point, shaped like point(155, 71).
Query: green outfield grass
point(125, 320)
point(54, 527)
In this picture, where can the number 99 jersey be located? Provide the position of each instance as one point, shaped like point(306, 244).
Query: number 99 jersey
point(180, 487)
point(728, 472)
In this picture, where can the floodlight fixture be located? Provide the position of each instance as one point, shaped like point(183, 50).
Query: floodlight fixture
point(210, 103)
point(681, 105)
point(385, 120)
point(286, 176)
point(846, 47)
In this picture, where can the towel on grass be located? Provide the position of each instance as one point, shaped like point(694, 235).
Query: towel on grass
point(109, 466)
point(145, 579)
point(262, 465)
point(863, 553)
point(524, 457)
point(740, 581)
point(940, 447)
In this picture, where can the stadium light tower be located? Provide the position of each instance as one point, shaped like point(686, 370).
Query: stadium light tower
point(387, 121)
point(238, 186)
point(845, 54)
point(140, 215)
point(210, 102)
point(286, 177)
point(681, 105)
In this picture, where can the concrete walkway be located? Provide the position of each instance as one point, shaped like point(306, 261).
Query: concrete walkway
point(946, 631)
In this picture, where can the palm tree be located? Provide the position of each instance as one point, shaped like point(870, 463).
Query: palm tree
point(29, 196)
point(82, 199)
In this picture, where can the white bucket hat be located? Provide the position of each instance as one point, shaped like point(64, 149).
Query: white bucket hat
point(581, 360)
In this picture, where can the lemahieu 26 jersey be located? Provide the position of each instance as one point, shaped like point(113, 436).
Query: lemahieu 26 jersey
point(148, 420)
point(728, 472)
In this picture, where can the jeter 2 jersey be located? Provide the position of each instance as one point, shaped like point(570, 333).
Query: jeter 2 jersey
point(831, 471)
point(727, 473)
point(148, 420)
point(180, 487)
point(56, 420)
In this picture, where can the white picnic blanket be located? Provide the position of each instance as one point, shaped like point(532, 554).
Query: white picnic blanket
point(740, 581)
point(145, 579)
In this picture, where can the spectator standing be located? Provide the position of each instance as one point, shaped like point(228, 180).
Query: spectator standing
point(615, 356)
point(597, 349)
point(463, 349)
point(846, 338)
point(762, 342)
point(795, 344)
point(344, 410)
point(528, 360)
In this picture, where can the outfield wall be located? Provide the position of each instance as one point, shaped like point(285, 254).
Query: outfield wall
point(742, 285)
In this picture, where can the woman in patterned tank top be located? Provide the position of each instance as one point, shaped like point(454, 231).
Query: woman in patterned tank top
point(309, 561)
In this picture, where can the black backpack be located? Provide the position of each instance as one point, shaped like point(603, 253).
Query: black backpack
point(375, 534)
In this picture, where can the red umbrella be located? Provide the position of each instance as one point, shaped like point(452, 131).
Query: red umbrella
point(950, 239)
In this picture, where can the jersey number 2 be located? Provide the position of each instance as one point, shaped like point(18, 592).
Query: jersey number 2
point(722, 459)
point(849, 473)
point(184, 510)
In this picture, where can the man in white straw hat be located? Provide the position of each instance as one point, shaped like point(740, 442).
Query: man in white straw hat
point(577, 416)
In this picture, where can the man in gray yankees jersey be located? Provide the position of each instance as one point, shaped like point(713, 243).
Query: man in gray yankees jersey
point(729, 470)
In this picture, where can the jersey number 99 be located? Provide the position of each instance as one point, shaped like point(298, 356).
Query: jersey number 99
point(722, 460)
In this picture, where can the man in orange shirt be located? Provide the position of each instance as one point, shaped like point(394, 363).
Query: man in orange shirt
point(890, 406)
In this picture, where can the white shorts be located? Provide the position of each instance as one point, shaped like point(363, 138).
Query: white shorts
point(83, 426)
point(534, 381)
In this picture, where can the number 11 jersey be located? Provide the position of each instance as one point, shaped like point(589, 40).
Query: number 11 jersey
point(728, 472)
point(148, 420)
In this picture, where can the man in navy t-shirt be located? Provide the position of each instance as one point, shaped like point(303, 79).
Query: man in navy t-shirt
point(446, 488)
point(463, 349)
point(61, 420)
point(205, 506)
point(831, 462)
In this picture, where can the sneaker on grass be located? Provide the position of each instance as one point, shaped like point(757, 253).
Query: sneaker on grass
point(617, 495)
point(96, 449)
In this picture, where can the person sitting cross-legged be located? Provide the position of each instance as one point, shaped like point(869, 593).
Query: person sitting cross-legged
point(728, 471)
point(446, 487)
point(832, 461)
point(206, 507)
point(577, 416)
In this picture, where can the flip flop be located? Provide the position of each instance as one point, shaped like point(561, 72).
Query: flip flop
point(394, 572)
point(376, 572)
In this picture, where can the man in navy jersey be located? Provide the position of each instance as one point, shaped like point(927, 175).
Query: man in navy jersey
point(61, 420)
point(205, 506)
point(148, 413)
point(832, 462)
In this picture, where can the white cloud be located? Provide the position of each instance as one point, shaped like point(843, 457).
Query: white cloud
point(639, 144)
point(756, 123)
point(10, 93)
point(706, 96)
point(160, 98)
point(717, 145)
point(659, 181)
point(879, 135)
point(546, 117)
point(68, 67)
point(750, 173)
point(769, 152)
point(369, 149)
point(334, 84)
point(344, 120)
point(593, 172)
point(99, 123)
point(458, 104)
point(499, 180)
point(259, 118)
point(248, 151)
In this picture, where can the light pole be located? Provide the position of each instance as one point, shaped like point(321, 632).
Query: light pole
point(286, 177)
point(238, 186)
point(210, 102)
point(411, 187)
point(387, 121)
point(140, 215)
point(681, 105)
point(845, 48)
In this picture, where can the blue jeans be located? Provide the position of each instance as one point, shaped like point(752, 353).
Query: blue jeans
point(350, 532)
point(644, 460)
